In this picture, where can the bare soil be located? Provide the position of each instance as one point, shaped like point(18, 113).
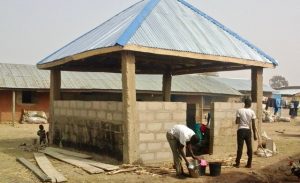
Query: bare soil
point(272, 169)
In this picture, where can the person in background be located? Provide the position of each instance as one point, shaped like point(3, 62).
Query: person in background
point(245, 117)
point(178, 137)
point(42, 134)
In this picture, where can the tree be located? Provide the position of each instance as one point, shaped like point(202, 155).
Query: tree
point(278, 82)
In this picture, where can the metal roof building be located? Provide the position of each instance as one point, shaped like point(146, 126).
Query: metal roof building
point(19, 76)
point(164, 24)
point(166, 37)
point(241, 84)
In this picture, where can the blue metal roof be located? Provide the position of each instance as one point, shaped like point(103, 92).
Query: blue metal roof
point(165, 24)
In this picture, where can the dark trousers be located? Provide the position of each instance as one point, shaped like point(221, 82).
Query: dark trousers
point(244, 135)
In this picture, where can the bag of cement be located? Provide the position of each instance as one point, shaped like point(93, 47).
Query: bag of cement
point(40, 114)
point(261, 152)
point(268, 117)
point(36, 120)
point(284, 119)
point(34, 117)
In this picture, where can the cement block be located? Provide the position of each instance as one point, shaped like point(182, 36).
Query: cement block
point(164, 155)
point(101, 115)
point(147, 156)
point(154, 146)
point(109, 116)
point(56, 112)
point(160, 137)
point(103, 105)
point(141, 106)
point(146, 116)
point(219, 115)
point(92, 114)
point(96, 105)
point(63, 112)
point(69, 112)
point(146, 137)
point(168, 125)
point(143, 147)
point(154, 127)
point(83, 113)
point(76, 112)
point(142, 126)
point(120, 106)
point(112, 106)
point(166, 145)
point(170, 106)
point(87, 105)
point(117, 116)
point(79, 104)
point(163, 116)
point(181, 106)
point(178, 116)
point(73, 104)
point(154, 106)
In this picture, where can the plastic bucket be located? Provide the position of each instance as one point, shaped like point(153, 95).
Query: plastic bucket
point(202, 170)
point(215, 168)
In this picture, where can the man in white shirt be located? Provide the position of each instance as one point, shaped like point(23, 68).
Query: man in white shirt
point(245, 117)
point(178, 137)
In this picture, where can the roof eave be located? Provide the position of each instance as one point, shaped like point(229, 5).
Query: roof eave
point(156, 51)
point(79, 56)
point(199, 56)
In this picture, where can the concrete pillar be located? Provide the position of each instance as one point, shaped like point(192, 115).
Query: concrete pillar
point(55, 85)
point(199, 110)
point(13, 107)
point(257, 93)
point(130, 148)
point(167, 82)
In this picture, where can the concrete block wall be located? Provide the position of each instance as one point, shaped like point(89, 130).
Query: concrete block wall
point(155, 119)
point(223, 131)
point(90, 125)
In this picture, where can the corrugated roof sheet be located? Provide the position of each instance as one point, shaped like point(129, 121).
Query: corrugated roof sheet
point(165, 24)
point(29, 77)
point(289, 92)
point(241, 84)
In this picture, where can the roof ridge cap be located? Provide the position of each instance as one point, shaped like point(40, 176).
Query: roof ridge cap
point(136, 23)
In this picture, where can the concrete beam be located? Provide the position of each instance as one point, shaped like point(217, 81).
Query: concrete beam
point(257, 93)
point(130, 148)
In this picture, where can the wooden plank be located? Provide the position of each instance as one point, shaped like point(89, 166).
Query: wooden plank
point(88, 168)
point(97, 164)
point(70, 153)
point(48, 168)
point(41, 175)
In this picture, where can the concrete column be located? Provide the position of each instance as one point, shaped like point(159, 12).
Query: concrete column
point(55, 85)
point(167, 82)
point(199, 110)
point(130, 148)
point(13, 107)
point(257, 93)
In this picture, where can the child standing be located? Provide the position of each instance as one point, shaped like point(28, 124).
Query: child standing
point(42, 134)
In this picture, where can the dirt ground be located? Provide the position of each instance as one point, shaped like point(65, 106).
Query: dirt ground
point(273, 169)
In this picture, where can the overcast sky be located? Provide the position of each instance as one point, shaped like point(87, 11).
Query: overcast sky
point(32, 29)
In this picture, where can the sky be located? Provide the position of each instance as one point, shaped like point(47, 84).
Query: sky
point(33, 29)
